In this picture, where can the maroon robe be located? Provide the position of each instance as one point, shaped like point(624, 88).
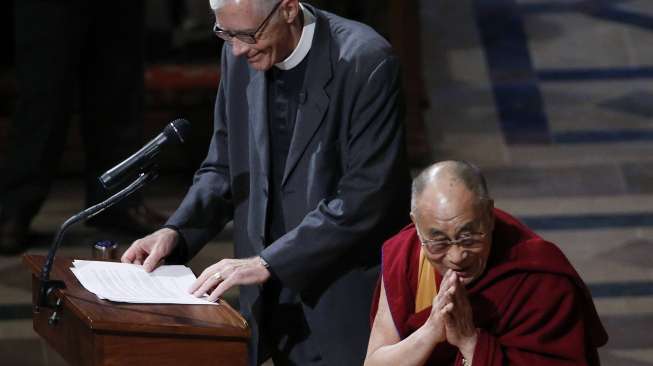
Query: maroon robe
point(530, 305)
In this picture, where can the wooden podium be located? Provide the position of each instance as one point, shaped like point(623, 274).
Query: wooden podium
point(90, 331)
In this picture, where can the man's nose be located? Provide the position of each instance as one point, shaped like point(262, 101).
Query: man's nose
point(239, 47)
point(456, 254)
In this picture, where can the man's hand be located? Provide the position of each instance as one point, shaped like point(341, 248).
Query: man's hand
point(152, 249)
point(441, 299)
point(458, 317)
point(227, 273)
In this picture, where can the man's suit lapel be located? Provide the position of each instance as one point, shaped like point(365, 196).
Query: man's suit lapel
point(314, 102)
point(258, 119)
point(259, 156)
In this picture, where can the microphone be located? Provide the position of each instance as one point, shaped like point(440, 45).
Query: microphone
point(174, 133)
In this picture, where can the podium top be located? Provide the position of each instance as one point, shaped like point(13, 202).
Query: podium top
point(103, 316)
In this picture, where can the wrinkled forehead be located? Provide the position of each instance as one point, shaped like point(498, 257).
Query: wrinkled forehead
point(449, 208)
point(238, 15)
point(471, 218)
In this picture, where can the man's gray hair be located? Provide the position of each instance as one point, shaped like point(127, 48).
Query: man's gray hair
point(468, 173)
point(263, 7)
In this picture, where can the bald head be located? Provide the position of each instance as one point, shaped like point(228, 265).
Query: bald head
point(450, 179)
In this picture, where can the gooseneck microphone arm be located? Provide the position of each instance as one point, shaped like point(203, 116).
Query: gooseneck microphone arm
point(47, 286)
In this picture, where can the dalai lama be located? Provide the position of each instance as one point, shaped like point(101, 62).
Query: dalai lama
point(467, 284)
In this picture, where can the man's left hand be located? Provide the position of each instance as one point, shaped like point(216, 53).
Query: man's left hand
point(459, 319)
point(220, 277)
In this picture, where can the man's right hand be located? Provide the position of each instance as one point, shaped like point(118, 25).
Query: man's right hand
point(436, 318)
point(152, 249)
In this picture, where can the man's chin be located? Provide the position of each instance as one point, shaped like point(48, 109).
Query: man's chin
point(260, 65)
point(466, 277)
point(467, 280)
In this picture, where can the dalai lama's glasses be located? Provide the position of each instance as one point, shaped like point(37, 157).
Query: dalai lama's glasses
point(246, 37)
point(470, 241)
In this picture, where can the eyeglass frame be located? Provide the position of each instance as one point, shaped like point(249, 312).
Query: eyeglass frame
point(246, 37)
point(428, 243)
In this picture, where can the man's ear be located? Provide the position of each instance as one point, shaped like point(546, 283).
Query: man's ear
point(490, 212)
point(412, 217)
point(289, 10)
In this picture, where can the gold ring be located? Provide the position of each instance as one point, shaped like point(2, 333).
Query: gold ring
point(217, 276)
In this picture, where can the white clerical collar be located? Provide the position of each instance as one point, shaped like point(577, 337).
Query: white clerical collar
point(304, 44)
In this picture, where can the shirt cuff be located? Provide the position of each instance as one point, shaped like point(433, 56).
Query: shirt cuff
point(179, 254)
point(269, 267)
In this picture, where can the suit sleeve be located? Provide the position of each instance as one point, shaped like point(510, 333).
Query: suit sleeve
point(545, 325)
point(372, 196)
point(207, 206)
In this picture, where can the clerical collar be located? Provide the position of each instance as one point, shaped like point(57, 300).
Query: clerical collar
point(304, 44)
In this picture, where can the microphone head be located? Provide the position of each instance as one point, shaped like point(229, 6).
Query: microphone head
point(177, 130)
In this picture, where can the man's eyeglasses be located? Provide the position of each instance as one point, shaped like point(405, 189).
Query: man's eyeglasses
point(466, 241)
point(246, 37)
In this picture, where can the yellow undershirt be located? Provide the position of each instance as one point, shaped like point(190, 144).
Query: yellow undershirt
point(426, 286)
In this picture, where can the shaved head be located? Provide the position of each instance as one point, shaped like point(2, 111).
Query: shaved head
point(448, 176)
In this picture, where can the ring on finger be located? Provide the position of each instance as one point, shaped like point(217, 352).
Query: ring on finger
point(217, 276)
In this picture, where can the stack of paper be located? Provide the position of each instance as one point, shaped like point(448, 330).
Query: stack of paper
point(130, 283)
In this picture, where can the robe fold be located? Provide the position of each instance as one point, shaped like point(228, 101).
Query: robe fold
point(530, 305)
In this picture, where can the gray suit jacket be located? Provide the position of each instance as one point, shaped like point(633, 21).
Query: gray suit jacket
point(345, 187)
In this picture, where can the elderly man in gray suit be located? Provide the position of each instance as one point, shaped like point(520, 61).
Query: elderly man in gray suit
point(307, 158)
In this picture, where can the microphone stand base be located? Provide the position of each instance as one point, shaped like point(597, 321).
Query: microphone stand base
point(46, 295)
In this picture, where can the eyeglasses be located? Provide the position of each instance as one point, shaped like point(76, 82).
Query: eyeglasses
point(246, 37)
point(470, 241)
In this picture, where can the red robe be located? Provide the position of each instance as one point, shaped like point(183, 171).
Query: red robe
point(530, 305)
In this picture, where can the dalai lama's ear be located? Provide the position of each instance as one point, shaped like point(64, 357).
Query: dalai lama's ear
point(489, 211)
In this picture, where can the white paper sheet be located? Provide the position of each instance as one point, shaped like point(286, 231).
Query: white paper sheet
point(130, 283)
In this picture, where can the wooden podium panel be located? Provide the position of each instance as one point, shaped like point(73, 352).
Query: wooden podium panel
point(90, 331)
